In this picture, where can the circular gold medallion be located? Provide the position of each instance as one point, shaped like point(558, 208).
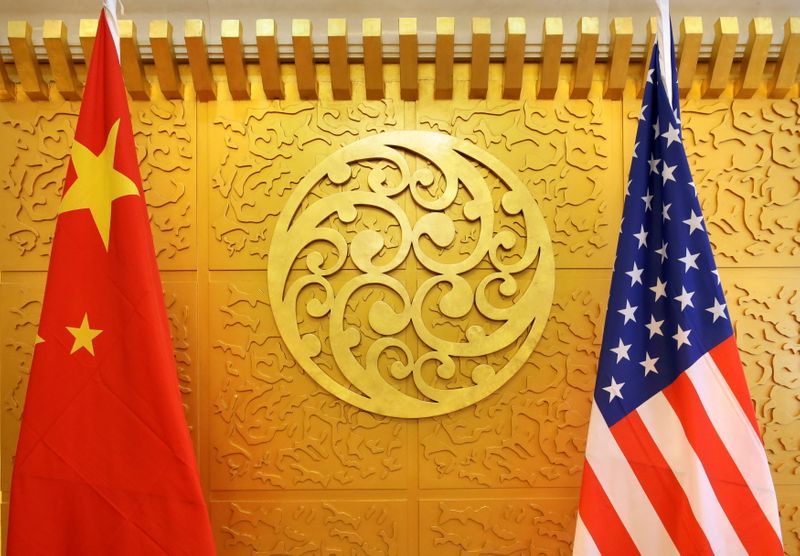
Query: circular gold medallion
point(411, 273)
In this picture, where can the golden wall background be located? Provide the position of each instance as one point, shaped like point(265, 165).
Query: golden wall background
point(290, 469)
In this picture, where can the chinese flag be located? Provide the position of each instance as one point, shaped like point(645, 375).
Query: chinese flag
point(104, 463)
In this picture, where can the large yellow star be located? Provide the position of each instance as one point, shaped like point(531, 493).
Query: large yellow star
point(83, 335)
point(98, 183)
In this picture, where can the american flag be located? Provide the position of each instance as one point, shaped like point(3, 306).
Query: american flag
point(674, 459)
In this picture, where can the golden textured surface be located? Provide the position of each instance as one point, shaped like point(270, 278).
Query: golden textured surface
point(330, 527)
point(530, 433)
point(498, 526)
point(290, 468)
point(271, 425)
point(36, 143)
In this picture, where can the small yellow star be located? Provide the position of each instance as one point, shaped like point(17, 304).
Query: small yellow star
point(84, 335)
point(98, 183)
point(38, 340)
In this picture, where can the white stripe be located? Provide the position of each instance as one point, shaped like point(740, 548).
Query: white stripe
point(624, 492)
point(736, 432)
point(664, 426)
point(584, 543)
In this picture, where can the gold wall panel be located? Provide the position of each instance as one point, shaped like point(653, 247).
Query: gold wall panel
point(745, 160)
point(35, 143)
point(288, 467)
point(272, 426)
point(21, 304)
point(750, 201)
point(789, 508)
point(567, 152)
point(538, 416)
point(497, 526)
point(764, 306)
point(260, 150)
point(330, 527)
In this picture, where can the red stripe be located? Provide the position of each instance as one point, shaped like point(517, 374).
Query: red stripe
point(601, 519)
point(660, 485)
point(734, 495)
point(726, 356)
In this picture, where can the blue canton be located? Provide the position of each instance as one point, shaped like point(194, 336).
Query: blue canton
point(666, 308)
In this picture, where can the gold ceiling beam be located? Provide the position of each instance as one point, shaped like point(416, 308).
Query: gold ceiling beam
point(233, 54)
point(445, 52)
point(337, 54)
point(169, 79)
point(304, 59)
point(689, 52)
point(726, 35)
point(588, 35)
point(409, 70)
point(515, 57)
point(7, 87)
point(549, 69)
point(132, 68)
point(268, 63)
point(620, 55)
point(789, 59)
point(754, 73)
point(87, 29)
point(479, 62)
point(755, 56)
point(652, 29)
point(194, 33)
point(373, 57)
point(28, 69)
point(54, 37)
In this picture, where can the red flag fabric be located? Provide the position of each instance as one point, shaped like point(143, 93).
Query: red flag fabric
point(104, 463)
